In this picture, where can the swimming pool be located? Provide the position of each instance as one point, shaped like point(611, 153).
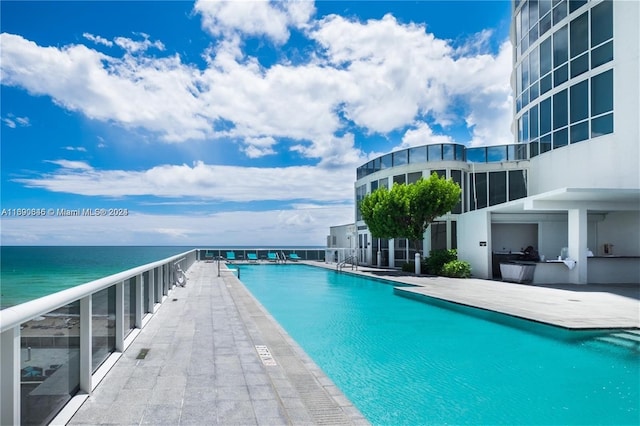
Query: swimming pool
point(401, 361)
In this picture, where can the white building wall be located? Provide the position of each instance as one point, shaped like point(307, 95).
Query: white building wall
point(474, 231)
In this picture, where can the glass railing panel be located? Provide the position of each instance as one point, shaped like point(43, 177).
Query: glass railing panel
point(418, 155)
point(435, 152)
point(50, 363)
point(477, 155)
point(103, 325)
point(496, 154)
point(146, 288)
point(448, 152)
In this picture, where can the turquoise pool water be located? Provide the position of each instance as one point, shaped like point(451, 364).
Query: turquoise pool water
point(401, 361)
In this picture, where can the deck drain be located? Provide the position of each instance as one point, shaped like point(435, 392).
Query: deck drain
point(143, 353)
point(265, 355)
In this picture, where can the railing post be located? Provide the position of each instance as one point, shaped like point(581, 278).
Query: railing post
point(10, 376)
point(139, 300)
point(152, 291)
point(86, 334)
point(120, 317)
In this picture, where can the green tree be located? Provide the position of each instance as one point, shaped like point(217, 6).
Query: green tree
point(405, 211)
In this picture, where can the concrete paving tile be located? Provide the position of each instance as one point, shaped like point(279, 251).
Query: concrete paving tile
point(237, 393)
point(161, 415)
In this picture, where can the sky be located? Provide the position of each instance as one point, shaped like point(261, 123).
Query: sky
point(214, 123)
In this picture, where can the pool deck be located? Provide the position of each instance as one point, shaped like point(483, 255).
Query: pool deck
point(572, 306)
point(206, 365)
point(203, 367)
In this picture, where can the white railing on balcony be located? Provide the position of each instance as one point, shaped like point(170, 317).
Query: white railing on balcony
point(54, 350)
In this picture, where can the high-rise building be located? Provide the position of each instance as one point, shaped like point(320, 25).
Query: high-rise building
point(569, 185)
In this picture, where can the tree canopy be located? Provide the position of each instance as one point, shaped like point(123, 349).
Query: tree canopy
point(406, 210)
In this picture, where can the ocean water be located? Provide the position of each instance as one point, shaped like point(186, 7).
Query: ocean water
point(29, 272)
point(404, 362)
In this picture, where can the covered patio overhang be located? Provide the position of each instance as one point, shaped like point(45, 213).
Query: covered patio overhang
point(575, 204)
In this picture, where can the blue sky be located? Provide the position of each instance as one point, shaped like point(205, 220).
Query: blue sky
point(231, 123)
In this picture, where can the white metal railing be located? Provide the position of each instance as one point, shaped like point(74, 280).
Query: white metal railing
point(71, 321)
point(352, 260)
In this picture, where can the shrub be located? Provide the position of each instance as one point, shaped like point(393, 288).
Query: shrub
point(408, 267)
point(437, 259)
point(457, 269)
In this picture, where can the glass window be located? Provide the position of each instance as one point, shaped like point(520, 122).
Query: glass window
point(459, 152)
point(579, 35)
point(533, 11)
point(560, 109)
point(602, 55)
point(545, 116)
point(534, 149)
point(386, 162)
point(560, 47)
point(525, 72)
point(576, 4)
point(544, 6)
point(376, 164)
point(545, 84)
point(383, 183)
point(533, 34)
point(561, 75)
point(518, 28)
point(602, 125)
point(579, 132)
point(601, 23)
point(447, 152)
point(374, 185)
point(533, 92)
point(400, 158)
point(533, 122)
point(580, 65)
point(441, 173)
point(602, 93)
point(545, 24)
point(559, 12)
point(579, 99)
point(517, 184)
point(524, 17)
point(545, 56)
point(478, 190)
point(414, 177)
point(519, 79)
point(560, 138)
point(438, 236)
point(456, 176)
point(418, 155)
point(545, 143)
point(534, 65)
point(525, 130)
point(497, 188)
point(435, 152)
point(400, 179)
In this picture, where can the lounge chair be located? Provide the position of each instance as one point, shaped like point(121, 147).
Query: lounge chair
point(252, 257)
point(231, 256)
point(272, 257)
point(294, 257)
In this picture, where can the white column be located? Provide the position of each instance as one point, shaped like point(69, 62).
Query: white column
point(120, 327)
point(152, 291)
point(392, 252)
point(577, 237)
point(86, 349)
point(10, 376)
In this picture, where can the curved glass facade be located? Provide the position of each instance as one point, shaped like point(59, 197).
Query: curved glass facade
point(563, 83)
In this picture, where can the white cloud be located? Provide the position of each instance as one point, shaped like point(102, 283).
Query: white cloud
point(264, 228)
point(75, 148)
point(97, 39)
point(422, 134)
point(9, 123)
point(377, 76)
point(135, 46)
point(12, 121)
point(201, 181)
point(271, 19)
